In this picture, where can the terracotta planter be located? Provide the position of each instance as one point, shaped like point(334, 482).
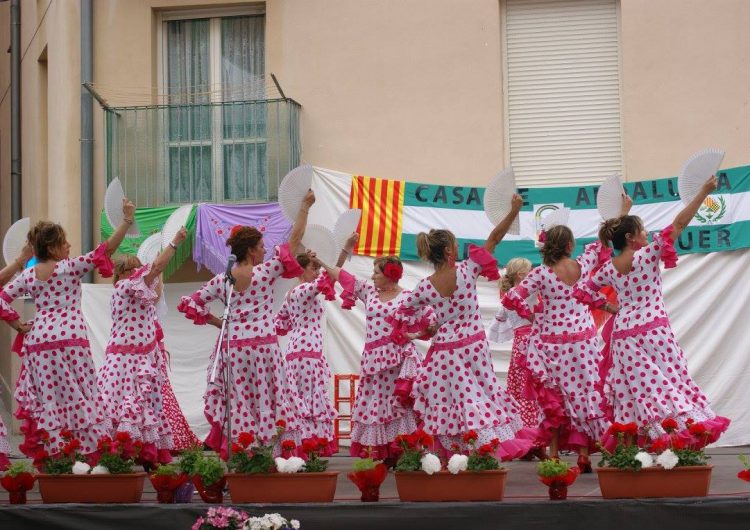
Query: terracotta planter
point(213, 493)
point(282, 487)
point(444, 486)
point(100, 489)
point(688, 481)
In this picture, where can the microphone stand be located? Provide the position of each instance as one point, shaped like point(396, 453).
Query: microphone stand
point(220, 353)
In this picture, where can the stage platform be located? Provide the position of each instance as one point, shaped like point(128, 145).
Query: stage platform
point(525, 506)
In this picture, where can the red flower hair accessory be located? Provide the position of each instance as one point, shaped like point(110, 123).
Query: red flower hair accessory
point(542, 236)
point(235, 229)
point(393, 271)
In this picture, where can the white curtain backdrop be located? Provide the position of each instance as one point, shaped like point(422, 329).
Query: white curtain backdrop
point(705, 295)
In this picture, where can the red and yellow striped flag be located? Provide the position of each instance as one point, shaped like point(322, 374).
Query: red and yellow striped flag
point(382, 205)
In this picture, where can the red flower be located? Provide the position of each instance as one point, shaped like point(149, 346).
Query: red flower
point(246, 439)
point(486, 449)
point(630, 428)
point(660, 445)
point(122, 437)
point(470, 437)
point(669, 425)
point(237, 448)
point(40, 455)
point(697, 429)
point(495, 443)
point(455, 448)
point(65, 434)
point(235, 229)
point(323, 443)
point(412, 439)
point(309, 445)
point(393, 271)
point(677, 443)
point(288, 445)
point(744, 475)
point(43, 435)
point(689, 422)
point(281, 424)
point(103, 443)
point(425, 439)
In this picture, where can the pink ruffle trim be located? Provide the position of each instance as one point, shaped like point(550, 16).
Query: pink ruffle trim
point(484, 259)
point(668, 252)
point(514, 301)
point(588, 297)
point(140, 289)
point(292, 269)
point(349, 283)
point(325, 286)
point(7, 313)
point(714, 429)
point(525, 440)
point(194, 309)
point(102, 261)
point(283, 326)
point(403, 323)
point(17, 346)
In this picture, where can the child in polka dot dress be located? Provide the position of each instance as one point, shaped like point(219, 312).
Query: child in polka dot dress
point(130, 382)
point(56, 389)
point(307, 370)
point(563, 353)
point(648, 381)
point(457, 389)
point(259, 392)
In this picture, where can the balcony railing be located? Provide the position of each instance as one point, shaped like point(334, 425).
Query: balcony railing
point(212, 152)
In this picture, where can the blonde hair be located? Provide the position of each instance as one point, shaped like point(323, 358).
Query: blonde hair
point(513, 268)
point(432, 246)
point(125, 262)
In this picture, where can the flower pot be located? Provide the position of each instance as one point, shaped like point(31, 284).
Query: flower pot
point(444, 486)
point(282, 487)
point(100, 489)
point(166, 485)
point(369, 481)
point(558, 491)
point(18, 486)
point(184, 493)
point(687, 481)
point(213, 493)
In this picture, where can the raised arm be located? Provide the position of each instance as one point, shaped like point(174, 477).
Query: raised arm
point(627, 204)
point(688, 212)
point(498, 233)
point(17, 266)
point(166, 255)
point(300, 223)
point(347, 250)
point(128, 210)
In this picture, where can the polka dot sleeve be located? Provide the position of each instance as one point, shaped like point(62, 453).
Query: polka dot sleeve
point(481, 262)
point(594, 255)
point(194, 306)
point(96, 259)
point(412, 315)
point(283, 320)
point(136, 287)
point(354, 289)
point(515, 299)
point(282, 263)
point(13, 290)
point(587, 290)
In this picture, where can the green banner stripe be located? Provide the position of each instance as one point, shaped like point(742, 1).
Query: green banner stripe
point(733, 180)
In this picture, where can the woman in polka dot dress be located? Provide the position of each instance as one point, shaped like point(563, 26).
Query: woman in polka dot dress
point(57, 386)
point(259, 393)
point(457, 389)
point(130, 382)
point(648, 381)
point(307, 370)
point(7, 313)
point(382, 407)
point(563, 353)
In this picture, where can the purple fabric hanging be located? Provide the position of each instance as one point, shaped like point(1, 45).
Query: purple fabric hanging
point(215, 221)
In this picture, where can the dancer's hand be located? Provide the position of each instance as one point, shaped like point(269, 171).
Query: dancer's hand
point(309, 200)
point(710, 185)
point(627, 204)
point(180, 236)
point(128, 210)
point(26, 254)
point(352, 241)
point(516, 203)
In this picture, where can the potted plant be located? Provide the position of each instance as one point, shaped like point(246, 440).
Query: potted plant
point(256, 476)
point(209, 478)
point(745, 473)
point(368, 475)
point(188, 459)
point(671, 466)
point(17, 480)
point(229, 518)
point(166, 479)
point(557, 475)
point(471, 475)
point(67, 477)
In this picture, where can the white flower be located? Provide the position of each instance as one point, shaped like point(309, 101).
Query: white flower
point(294, 523)
point(667, 459)
point(458, 463)
point(430, 463)
point(289, 465)
point(280, 464)
point(645, 459)
point(100, 470)
point(81, 468)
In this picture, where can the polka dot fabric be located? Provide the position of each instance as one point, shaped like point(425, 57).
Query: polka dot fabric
point(457, 390)
point(183, 436)
point(307, 370)
point(519, 377)
point(259, 392)
point(649, 380)
point(57, 385)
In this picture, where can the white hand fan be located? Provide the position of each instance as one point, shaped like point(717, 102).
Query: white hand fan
point(177, 220)
point(150, 249)
point(320, 240)
point(346, 225)
point(696, 171)
point(609, 198)
point(293, 189)
point(113, 207)
point(15, 239)
point(556, 218)
point(497, 197)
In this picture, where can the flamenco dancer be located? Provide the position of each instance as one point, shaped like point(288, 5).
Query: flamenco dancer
point(57, 386)
point(649, 380)
point(130, 381)
point(259, 393)
point(382, 408)
point(6, 313)
point(563, 352)
point(509, 325)
point(457, 390)
point(307, 370)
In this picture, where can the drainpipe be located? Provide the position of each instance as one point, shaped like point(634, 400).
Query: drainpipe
point(15, 110)
point(87, 132)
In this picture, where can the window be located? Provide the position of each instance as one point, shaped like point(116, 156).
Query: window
point(563, 91)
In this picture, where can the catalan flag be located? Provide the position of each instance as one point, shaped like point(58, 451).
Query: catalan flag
point(382, 205)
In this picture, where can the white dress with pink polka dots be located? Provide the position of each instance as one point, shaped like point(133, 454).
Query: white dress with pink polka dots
point(307, 370)
point(380, 412)
point(648, 381)
point(130, 382)
point(563, 353)
point(259, 392)
point(57, 385)
point(457, 389)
